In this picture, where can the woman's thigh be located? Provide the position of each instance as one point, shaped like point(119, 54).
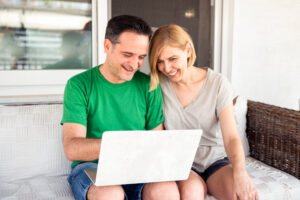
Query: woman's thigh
point(220, 183)
point(192, 188)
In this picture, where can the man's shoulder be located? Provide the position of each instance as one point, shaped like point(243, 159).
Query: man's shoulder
point(83, 76)
point(141, 77)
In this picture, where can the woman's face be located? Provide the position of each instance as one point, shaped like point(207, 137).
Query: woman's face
point(172, 62)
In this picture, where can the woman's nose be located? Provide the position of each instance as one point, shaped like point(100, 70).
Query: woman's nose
point(167, 67)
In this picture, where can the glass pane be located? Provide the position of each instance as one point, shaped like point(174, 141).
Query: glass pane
point(193, 15)
point(45, 34)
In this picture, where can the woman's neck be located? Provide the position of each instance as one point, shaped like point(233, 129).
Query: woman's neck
point(189, 77)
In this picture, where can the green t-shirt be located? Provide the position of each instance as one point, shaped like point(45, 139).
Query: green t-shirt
point(94, 102)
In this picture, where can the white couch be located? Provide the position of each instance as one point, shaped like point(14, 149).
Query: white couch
point(33, 164)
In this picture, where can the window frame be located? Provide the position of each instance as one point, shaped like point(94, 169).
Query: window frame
point(45, 82)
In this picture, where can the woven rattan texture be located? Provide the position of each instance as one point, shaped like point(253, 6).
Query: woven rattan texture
point(274, 136)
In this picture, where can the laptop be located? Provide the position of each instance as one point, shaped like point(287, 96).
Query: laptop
point(128, 157)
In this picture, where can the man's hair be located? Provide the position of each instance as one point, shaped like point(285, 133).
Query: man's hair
point(119, 24)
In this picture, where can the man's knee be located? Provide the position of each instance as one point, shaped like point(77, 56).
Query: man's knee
point(105, 193)
point(161, 191)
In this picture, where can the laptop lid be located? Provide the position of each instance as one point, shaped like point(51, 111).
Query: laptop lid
point(128, 157)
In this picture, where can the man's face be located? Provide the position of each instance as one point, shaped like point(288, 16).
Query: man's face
point(125, 57)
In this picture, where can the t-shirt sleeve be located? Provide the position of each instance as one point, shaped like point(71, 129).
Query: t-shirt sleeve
point(224, 96)
point(75, 103)
point(154, 116)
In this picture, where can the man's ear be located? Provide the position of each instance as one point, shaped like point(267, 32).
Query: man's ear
point(107, 45)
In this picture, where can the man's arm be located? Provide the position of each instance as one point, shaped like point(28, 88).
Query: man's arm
point(159, 127)
point(77, 146)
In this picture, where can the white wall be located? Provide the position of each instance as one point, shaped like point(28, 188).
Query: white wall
point(266, 51)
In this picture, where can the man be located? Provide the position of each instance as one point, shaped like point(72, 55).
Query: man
point(112, 96)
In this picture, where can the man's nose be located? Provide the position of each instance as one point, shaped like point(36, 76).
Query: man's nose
point(135, 62)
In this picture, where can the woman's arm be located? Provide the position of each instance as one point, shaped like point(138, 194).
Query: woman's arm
point(244, 187)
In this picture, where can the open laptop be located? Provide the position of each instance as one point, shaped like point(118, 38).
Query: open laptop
point(128, 157)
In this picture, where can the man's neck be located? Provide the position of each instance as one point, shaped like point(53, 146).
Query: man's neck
point(107, 74)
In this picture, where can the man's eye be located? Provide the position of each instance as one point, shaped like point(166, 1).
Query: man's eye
point(172, 59)
point(142, 57)
point(127, 55)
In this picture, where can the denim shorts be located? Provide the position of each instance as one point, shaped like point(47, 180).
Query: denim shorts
point(212, 168)
point(80, 183)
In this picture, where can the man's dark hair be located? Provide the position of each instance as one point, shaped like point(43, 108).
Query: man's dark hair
point(119, 24)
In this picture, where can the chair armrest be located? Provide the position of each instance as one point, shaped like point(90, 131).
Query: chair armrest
point(274, 136)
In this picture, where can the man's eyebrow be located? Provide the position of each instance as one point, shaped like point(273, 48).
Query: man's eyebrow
point(127, 52)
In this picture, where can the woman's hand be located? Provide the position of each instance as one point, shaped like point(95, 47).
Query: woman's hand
point(243, 186)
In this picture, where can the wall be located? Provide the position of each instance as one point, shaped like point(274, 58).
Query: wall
point(266, 51)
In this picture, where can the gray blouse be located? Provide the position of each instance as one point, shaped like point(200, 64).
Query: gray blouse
point(202, 113)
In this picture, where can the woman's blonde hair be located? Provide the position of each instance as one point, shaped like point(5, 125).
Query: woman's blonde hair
point(169, 35)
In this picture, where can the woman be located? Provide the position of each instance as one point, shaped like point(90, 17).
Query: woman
point(199, 98)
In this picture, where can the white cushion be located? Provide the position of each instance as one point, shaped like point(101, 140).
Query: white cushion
point(33, 164)
point(31, 142)
point(42, 187)
point(240, 111)
point(271, 183)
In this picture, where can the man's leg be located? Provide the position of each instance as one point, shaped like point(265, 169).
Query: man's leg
point(83, 188)
point(192, 188)
point(161, 191)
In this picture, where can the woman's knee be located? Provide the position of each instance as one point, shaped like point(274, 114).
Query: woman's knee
point(105, 193)
point(192, 188)
point(161, 191)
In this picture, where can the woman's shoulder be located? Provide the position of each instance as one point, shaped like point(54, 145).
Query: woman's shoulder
point(215, 77)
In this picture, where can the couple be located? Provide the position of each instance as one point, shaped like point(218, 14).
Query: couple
point(116, 96)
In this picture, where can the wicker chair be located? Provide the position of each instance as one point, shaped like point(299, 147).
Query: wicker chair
point(33, 164)
point(274, 136)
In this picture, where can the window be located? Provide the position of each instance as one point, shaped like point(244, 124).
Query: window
point(43, 43)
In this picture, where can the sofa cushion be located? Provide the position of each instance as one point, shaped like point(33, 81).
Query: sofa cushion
point(240, 111)
point(33, 164)
point(272, 183)
point(40, 187)
point(31, 142)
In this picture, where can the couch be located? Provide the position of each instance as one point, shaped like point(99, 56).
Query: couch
point(33, 164)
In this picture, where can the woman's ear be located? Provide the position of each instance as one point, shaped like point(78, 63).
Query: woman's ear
point(188, 49)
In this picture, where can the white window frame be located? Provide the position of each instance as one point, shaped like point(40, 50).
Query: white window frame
point(223, 36)
point(49, 82)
